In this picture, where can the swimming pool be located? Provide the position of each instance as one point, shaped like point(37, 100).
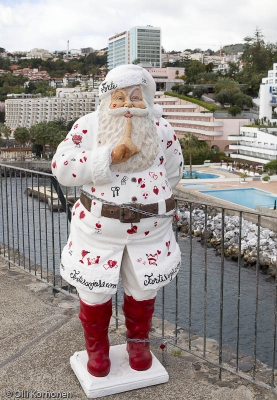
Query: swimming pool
point(200, 175)
point(244, 197)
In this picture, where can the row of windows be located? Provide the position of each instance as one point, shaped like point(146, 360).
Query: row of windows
point(148, 31)
point(149, 34)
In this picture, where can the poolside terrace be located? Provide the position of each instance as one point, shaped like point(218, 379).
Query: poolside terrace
point(228, 180)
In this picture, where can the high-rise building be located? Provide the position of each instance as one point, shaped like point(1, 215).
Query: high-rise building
point(118, 50)
point(141, 44)
point(145, 45)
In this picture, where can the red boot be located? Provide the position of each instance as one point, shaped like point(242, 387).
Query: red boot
point(95, 320)
point(138, 317)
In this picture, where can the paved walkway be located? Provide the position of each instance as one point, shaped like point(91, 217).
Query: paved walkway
point(39, 333)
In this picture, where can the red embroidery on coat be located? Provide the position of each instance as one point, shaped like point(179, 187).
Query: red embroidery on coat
point(82, 215)
point(111, 264)
point(153, 175)
point(77, 139)
point(141, 182)
point(145, 195)
point(132, 230)
point(152, 258)
point(84, 253)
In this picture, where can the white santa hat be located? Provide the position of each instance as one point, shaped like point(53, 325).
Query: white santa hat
point(129, 75)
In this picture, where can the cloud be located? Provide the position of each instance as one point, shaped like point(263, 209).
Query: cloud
point(48, 24)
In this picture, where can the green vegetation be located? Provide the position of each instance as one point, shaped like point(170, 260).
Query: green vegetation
point(266, 178)
point(10, 83)
point(201, 103)
point(42, 136)
point(176, 352)
point(271, 167)
point(196, 151)
point(21, 135)
point(227, 91)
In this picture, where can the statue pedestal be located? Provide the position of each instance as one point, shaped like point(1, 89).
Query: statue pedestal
point(121, 377)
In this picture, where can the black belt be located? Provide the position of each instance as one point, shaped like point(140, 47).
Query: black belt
point(124, 214)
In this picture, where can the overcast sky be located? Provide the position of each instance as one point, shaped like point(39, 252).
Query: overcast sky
point(49, 24)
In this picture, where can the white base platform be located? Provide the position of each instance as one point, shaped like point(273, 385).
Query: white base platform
point(121, 377)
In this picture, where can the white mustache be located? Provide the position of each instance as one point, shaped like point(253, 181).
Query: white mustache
point(138, 112)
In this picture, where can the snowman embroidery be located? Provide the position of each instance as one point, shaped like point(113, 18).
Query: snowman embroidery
point(98, 227)
point(77, 140)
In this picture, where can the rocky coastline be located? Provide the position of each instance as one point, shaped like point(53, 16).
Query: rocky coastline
point(192, 222)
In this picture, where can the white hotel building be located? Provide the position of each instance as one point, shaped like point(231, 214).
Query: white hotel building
point(69, 104)
point(259, 143)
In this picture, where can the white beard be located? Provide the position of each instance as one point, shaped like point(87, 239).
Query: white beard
point(111, 129)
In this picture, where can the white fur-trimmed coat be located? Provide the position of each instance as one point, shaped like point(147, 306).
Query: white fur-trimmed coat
point(92, 258)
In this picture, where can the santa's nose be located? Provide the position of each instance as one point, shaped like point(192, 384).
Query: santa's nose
point(128, 102)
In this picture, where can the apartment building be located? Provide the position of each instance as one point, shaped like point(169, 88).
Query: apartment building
point(259, 143)
point(141, 43)
point(118, 50)
point(186, 117)
point(69, 104)
point(255, 144)
point(268, 96)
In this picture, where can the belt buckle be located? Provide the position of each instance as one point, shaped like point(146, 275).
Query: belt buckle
point(127, 215)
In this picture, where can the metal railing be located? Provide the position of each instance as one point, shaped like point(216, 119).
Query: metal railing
point(222, 311)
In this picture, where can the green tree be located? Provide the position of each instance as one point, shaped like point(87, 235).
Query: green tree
point(5, 131)
point(198, 92)
point(21, 135)
point(40, 134)
point(37, 149)
point(271, 167)
point(242, 100)
point(234, 110)
point(258, 58)
point(225, 84)
point(209, 67)
point(188, 143)
point(185, 89)
point(233, 69)
point(224, 97)
point(195, 68)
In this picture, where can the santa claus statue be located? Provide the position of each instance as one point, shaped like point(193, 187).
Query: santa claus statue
point(126, 159)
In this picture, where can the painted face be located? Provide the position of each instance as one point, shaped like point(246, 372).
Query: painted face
point(127, 97)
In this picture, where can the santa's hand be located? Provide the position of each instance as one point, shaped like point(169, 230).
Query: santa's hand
point(124, 150)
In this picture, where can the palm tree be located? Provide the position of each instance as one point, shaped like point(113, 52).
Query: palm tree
point(21, 135)
point(189, 142)
point(5, 131)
